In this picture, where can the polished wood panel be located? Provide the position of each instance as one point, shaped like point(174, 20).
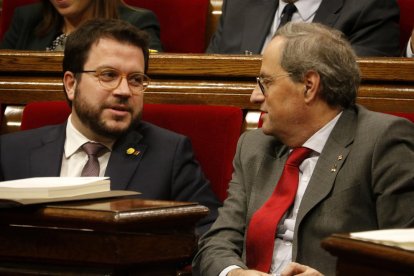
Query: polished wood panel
point(113, 236)
point(356, 257)
point(387, 83)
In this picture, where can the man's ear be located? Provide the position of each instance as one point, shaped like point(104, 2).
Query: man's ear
point(69, 81)
point(312, 86)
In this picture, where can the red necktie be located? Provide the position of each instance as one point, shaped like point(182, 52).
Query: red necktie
point(262, 227)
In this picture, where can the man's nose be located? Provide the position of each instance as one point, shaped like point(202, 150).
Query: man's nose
point(257, 96)
point(123, 87)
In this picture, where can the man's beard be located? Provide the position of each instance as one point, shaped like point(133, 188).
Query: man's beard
point(90, 116)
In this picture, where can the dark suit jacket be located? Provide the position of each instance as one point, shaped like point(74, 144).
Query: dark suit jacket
point(371, 26)
point(371, 187)
point(21, 33)
point(165, 168)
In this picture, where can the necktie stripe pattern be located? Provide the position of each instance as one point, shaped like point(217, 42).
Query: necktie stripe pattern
point(262, 227)
point(93, 150)
point(287, 14)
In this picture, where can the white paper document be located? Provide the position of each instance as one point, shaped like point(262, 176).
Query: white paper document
point(403, 238)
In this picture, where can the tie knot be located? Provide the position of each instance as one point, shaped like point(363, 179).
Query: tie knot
point(94, 149)
point(289, 9)
point(297, 156)
point(287, 14)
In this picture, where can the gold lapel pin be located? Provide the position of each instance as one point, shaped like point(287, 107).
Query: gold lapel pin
point(333, 168)
point(340, 157)
point(132, 151)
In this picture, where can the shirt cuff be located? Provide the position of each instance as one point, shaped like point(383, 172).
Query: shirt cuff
point(409, 52)
point(228, 269)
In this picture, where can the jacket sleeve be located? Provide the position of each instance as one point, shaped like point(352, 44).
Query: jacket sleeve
point(393, 178)
point(222, 246)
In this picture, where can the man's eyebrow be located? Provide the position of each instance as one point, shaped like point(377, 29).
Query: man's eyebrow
point(265, 76)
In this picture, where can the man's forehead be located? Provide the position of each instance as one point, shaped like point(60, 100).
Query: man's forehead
point(113, 47)
point(117, 54)
point(271, 55)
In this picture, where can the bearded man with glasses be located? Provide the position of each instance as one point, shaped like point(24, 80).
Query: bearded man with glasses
point(104, 78)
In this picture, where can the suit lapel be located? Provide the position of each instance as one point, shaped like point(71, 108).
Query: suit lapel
point(259, 17)
point(124, 161)
point(50, 151)
point(328, 12)
point(329, 164)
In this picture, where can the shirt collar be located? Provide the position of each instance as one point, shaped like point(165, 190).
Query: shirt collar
point(318, 140)
point(306, 9)
point(75, 139)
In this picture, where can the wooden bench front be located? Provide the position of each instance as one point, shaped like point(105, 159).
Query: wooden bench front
point(387, 83)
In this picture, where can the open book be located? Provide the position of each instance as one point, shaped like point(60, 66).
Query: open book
point(403, 238)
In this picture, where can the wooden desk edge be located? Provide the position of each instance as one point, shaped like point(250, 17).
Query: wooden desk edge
point(340, 245)
point(105, 219)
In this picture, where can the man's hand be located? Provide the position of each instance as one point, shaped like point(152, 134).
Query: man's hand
point(298, 269)
point(242, 272)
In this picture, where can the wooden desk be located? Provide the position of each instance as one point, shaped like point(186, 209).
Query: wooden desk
point(111, 237)
point(356, 257)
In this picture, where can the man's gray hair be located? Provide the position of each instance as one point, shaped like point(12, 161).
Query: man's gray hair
point(315, 47)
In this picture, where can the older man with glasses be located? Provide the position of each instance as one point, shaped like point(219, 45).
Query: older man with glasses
point(321, 164)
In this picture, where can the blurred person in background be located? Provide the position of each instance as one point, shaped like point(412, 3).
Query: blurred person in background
point(246, 26)
point(46, 25)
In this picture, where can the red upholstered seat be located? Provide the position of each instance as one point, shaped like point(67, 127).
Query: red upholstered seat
point(7, 12)
point(183, 23)
point(213, 130)
point(406, 20)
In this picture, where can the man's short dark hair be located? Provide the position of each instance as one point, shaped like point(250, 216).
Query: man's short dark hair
point(79, 42)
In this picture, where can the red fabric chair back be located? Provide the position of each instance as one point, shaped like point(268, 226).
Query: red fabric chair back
point(38, 114)
point(183, 23)
point(409, 116)
point(213, 130)
point(406, 20)
point(7, 13)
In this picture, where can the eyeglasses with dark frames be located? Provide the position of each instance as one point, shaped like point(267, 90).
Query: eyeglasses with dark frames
point(261, 81)
point(111, 78)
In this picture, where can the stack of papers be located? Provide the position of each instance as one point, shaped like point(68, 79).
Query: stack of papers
point(403, 238)
point(39, 190)
point(52, 187)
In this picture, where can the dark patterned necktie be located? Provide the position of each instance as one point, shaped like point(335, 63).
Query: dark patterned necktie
point(287, 13)
point(262, 227)
point(93, 150)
